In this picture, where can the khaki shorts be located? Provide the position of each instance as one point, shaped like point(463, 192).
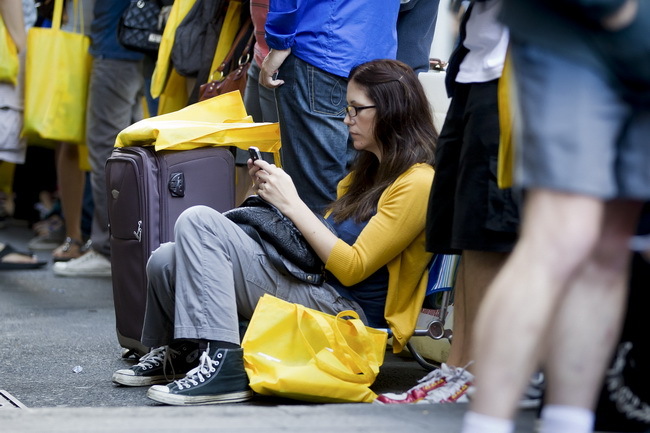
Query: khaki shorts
point(577, 133)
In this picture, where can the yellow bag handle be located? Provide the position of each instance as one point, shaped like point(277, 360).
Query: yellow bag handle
point(77, 17)
point(327, 360)
point(57, 14)
point(364, 339)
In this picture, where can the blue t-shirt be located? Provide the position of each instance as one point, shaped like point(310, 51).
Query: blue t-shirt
point(103, 31)
point(334, 35)
point(370, 293)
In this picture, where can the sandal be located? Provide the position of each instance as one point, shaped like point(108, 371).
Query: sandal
point(68, 250)
point(5, 265)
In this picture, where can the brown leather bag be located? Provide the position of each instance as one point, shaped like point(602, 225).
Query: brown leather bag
point(236, 78)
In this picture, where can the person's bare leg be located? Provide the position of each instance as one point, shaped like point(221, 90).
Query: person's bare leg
point(71, 180)
point(558, 232)
point(588, 321)
point(476, 271)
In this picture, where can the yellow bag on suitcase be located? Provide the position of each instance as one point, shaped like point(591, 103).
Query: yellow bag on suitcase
point(297, 352)
point(57, 71)
point(9, 62)
point(218, 121)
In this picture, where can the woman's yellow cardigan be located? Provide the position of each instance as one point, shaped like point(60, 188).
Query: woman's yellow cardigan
point(393, 237)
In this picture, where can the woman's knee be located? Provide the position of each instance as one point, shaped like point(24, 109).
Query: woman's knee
point(160, 259)
point(194, 217)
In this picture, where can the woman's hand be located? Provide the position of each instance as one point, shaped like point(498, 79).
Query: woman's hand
point(270, 66)
point(275, 186)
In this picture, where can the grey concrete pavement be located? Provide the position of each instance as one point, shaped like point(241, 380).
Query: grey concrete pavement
point(52, 326)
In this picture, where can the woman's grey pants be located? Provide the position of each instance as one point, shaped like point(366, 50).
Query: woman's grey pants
point(212, 275)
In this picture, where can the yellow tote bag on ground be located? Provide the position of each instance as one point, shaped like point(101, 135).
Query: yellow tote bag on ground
point(9, 62)
point(57, 70)
point(300, 353)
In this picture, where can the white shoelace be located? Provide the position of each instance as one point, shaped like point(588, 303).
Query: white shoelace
point(159, 356)
point(153, 358)
point(432, 377)
point(444, 372)
point(201, 373)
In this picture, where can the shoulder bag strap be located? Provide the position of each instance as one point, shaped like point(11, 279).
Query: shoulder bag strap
point(238, 39)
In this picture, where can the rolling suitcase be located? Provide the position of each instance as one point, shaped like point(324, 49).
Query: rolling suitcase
point(147, 191)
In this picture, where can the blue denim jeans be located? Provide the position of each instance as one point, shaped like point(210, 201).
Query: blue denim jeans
point(315, 142)
point(416, 25)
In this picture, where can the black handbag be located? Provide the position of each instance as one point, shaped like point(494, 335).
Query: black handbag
point(279, 237)
point(141, 26)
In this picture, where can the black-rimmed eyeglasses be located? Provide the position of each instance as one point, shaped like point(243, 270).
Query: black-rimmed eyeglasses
point(353, 110)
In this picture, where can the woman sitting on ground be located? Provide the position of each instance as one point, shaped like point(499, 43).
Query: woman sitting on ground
point(214, 273)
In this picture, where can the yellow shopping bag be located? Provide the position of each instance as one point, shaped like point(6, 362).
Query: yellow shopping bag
point(296, 352)
point(218, 121)
point(9, 62)
point(57, 71)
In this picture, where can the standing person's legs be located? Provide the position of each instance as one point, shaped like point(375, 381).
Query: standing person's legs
point(315, 148)
point(535, 289)
point(476, 271)
point(467, 210)
point(486, 218)
point(416, 25)
point(467, 213)
point(71, 180)
point(259, 101)
point(573, 244)
point(266, 97)
point(113, 104)
point(252, 94)
point(114, 95)
point(593, 306)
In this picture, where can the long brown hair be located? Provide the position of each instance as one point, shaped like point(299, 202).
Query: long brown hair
point(403, 129)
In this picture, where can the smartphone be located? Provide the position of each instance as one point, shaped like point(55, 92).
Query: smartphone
point(254, 152)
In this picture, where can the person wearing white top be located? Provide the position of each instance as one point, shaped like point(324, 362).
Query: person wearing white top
point(468, 213)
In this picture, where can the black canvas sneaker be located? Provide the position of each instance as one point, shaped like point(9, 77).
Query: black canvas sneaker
point(162, 365)
point(219, 378)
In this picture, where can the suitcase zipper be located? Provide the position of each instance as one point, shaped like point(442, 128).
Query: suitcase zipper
point(138, 233)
